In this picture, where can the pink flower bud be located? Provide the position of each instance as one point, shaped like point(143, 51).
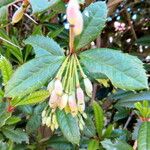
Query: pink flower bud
point(78, 26)
point(58, 87)
point(50, 86)
point(18, 15)
point(73, 105)
point(72, 11)
point(88, 87)
point(63, 101)
point(53, 101)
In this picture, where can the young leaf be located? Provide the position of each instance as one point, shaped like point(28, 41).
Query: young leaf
point(117, 145)
point(69, 126)
point(93, 145)
point(32, 75)
point(6, 69)
point(44, 46)
point(40, 5)
point(17, 135)
point(124, 71)
point(99, 118)
point(94, 21)
point(12, 120)
point(144, 136)
point(33, 98)
point(3, 145)
point(3, 15)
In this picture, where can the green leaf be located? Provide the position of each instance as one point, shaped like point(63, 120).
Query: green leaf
point(69, 126)
point(89, 128)
point(124, 71)
point(93, 145)
point(144, 136)
point(32, 75)
point(145, 40)
point(117, 145)
point(44, 46)
point(99, 118)
point(33, 98)
point(3, 15)
point(12, 120)
point(41, 5)
point(5, 2)
point(59, 143)
point(129, 101)
point(3, 118)
point(17, 135)
point(6, 69)
point(3, 146)
point(94, 21)
point(108, 131)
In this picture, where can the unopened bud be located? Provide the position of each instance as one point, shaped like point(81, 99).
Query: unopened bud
point(73, 105)
point(44, 120)
point(72, 11)
point(18, 15)
point(50, 86)
point(53, 101)
point(48, 121)
point(88, 87)
point(63, 101)
point(43, 113)
point(80, 99)
point(58, 87)
point(78, 26)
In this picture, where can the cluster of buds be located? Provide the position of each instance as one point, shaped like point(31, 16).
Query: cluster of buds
point(49, 119)
point(119, 26)
point(65, 90)
point(74, 16)
point(20, 11)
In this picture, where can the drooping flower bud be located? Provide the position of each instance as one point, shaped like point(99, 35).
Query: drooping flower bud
point(43, 113)
point(48, 121)
point(72, 11)
point(80, 99)
point(54, 121)
point(44, 120)
point(73, 105)
point(18, 15)
point(58, 87)
point(50, 86)
point(63, 101)
point(78, 26)
point(88, 87)
point(53, 101)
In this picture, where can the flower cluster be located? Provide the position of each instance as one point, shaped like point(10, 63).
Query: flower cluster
point(66, 92)
point(119, 26)
point(19, 12)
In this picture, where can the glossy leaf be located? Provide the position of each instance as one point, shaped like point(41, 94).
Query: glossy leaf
point(94, 21)
point(99, 118)
point(144, 136)
point(113, 64)
point(117, 145)
point(44, 45)
point(32, 75)
point(69, 126)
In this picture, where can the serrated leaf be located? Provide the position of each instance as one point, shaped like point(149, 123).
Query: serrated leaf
point(124, 71)
point(41, 5)
point(6, 69)
point(17, 135)
point(33, 123)
point(99, 118)
point(33, 98)
point(69, 126)
point(12, 120)
point(94, 21)
point(93, 145)
point(130, 100)
point(59, 143)
point(89, 128)
point(32, 75)
point(144, 136)
point(3, 146)
point(117, 145)
point(3, 118)
point(44, 46)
